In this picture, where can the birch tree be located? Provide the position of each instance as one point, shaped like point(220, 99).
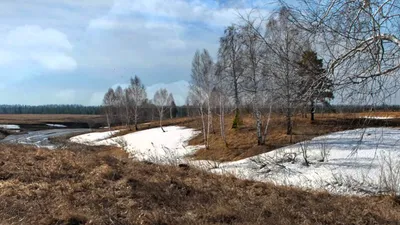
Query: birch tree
point(120, 104)
point(256, 79)
point(109, 106)
point(160, 100)
point(221, 98)
point(172, 106)
point(202, 85)
point(127, 103)
point(285, 44)
point(360, 40)
point(230, 57)
point(137, 97)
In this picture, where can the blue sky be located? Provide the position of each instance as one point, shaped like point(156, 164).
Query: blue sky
point(71, 51)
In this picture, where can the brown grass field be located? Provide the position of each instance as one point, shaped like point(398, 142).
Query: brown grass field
point(46, 118)
point(101, 185)
point(92, 185)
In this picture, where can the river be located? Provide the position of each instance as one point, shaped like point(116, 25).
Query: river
point(40, 138)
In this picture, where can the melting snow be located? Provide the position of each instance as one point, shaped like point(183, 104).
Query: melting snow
point(357, 161)
point(56, 125)
point(93, 138)
point(155, 145)
point(9, 126)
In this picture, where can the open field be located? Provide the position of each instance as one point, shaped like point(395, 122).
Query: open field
point(242, 142)
point(48, 118)
point(90, 185)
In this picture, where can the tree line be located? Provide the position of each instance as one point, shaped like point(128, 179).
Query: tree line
point(296, 59)
point(291, 61)
point(131, 106)
point(50, 109)
point(264, 67)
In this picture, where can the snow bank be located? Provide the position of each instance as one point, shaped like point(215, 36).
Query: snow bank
point(153, 145)
point(350, 162)
point(357, 162)
point(157, 146)
point(56, 125)
point(10, 126)
point(93, 138)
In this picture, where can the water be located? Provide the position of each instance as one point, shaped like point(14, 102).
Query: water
point(40, 138)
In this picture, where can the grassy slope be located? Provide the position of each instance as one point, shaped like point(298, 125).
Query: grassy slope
point(102, 186)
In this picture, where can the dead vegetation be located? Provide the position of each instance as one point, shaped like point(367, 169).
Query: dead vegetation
point(46, 118)
point(242, 142)
point(102, 186)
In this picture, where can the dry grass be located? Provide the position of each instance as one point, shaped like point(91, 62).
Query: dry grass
point(242, 142)
point(46, 118)
point(103, 186)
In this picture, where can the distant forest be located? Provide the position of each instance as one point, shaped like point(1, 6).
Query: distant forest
point(50, 109)
point(182, 111)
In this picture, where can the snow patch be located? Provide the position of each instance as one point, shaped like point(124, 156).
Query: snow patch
point(357, 162)
point(10, 126)
point(169, 147)
point(93, 138)
point(56, 125)
point(361, 161)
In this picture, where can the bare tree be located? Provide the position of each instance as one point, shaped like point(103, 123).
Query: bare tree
point(285, 43)
point(120, 104)
point(109, 106)
point(360, 39)
point(221, 98)
point(203, 83)
point(230, 58)
point(137, 96)
point(172, 106)
point(256, 76)
point(196, 98)
point(188, 104)
point(127, 103)
point(222, 102)
point(160, 100)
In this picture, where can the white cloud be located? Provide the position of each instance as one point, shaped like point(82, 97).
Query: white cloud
point(47, 47)
point(179, 10)
point(105, 40)
point(158, 33)
point(55, 61)
point(37, 37)
point(135, 43)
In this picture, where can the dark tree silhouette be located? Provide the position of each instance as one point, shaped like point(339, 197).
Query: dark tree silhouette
point(315, 85)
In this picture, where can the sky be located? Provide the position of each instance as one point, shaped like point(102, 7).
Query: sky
point(72, 51)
